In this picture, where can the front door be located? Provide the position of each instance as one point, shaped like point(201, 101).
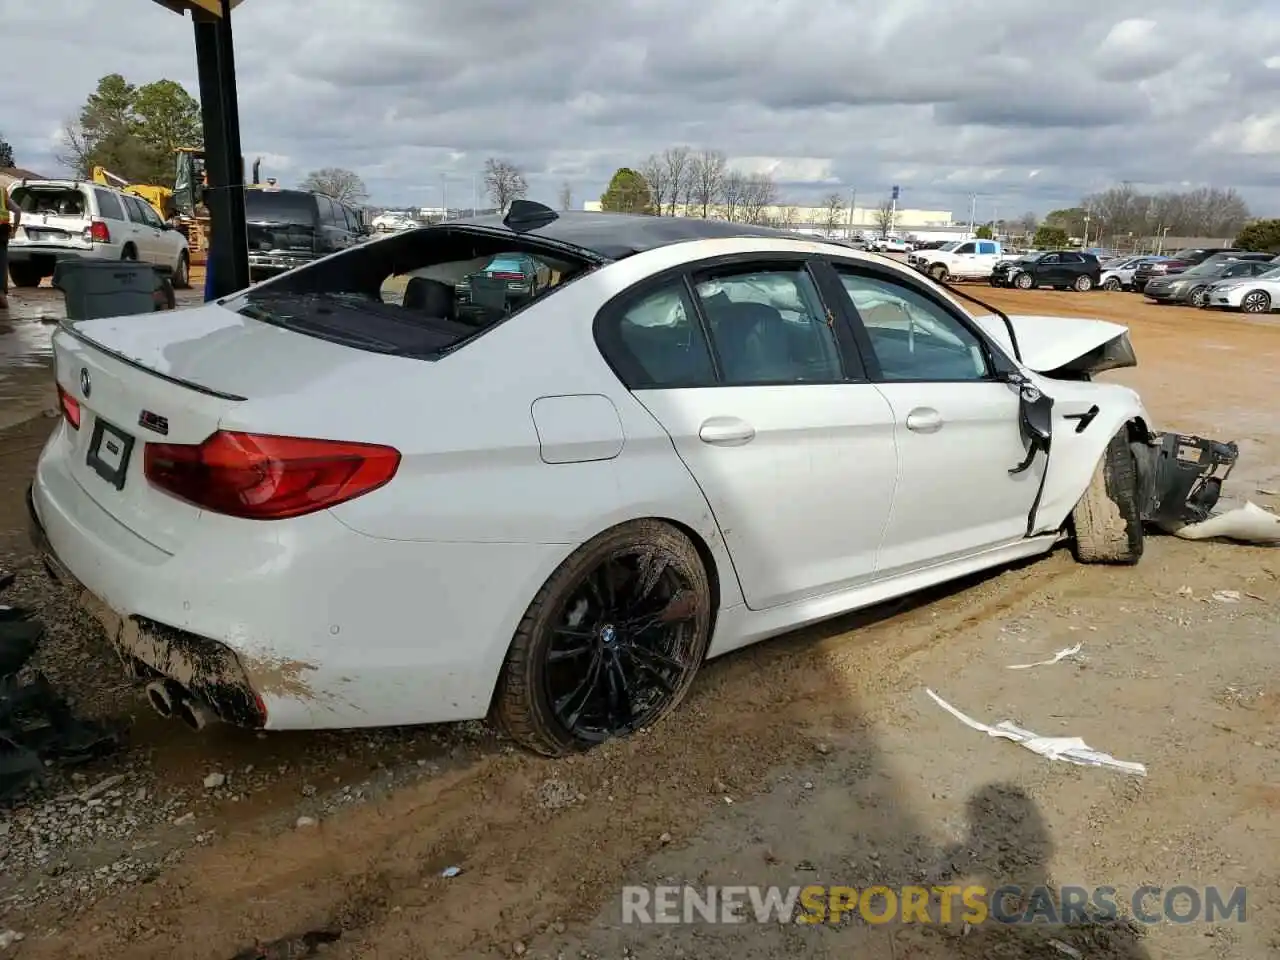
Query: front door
point(752, 377)
point(956, 425)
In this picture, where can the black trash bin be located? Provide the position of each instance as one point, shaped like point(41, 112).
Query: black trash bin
point(112, 288)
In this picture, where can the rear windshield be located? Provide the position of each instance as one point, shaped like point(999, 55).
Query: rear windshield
point(280, 206)
point(62, 201)
point(410, 294)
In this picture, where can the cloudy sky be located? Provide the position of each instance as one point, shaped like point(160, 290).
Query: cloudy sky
point(1026, 103)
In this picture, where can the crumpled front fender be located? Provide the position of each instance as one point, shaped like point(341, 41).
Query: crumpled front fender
point(1086, 416)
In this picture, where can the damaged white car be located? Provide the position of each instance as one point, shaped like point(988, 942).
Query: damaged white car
point(344, 498)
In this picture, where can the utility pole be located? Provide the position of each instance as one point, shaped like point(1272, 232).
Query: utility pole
point(475, 196)
point(893, 209)
point(973, 212)
point(853, 202)
point(444, 195)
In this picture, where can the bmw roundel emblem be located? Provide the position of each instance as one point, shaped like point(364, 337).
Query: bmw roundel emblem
point(86, 385)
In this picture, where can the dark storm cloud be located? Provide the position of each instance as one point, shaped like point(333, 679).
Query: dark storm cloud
point(1028, 104)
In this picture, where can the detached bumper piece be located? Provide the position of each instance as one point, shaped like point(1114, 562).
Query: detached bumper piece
point(1181, 477)
point(36, 725)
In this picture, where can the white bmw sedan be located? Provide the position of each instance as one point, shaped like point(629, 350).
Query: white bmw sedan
point(345, 498)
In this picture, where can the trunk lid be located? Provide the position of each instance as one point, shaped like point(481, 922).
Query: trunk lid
point(184, 372)
point(52, 214)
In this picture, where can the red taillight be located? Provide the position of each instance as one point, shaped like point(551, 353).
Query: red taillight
point(261, 477)
point(98, 232)
point(70, 407)
point(507, 276)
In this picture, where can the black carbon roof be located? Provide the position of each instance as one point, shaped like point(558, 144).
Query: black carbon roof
point(617, 235)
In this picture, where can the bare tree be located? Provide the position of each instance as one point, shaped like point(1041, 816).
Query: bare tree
point(504, 182)
point(1027, 223)
point(566, 196)
point(654, 171)
point(733, 187)
point(337, 183)
point(676, 161)
point(76, 147)
point(833, 213)
point(884, 217)
point(758, 195)
point(706, 181)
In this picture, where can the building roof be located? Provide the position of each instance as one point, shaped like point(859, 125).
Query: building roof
point(17, 173)
point(617, 235)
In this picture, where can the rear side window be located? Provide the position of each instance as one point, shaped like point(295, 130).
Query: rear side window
point(133, 207)
point(657, 342)
point(109, 205)
point(986, 247)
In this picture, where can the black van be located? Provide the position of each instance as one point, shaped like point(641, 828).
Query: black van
point(288, 228)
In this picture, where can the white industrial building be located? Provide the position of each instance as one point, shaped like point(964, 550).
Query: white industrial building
point(910, 223)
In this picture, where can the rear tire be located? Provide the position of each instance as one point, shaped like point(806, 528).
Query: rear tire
point(1107, 522)
point(129, 253)
point(25, 274)
point(672, 637)
point(182, 273)
point(1083, 284)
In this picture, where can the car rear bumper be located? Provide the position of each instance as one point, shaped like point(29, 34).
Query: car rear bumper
point(26, 253)
point(298, 624)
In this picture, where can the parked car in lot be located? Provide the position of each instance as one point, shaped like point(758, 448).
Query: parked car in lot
point(1118, 274)
point(310, 505)
point(959, 260)
point(1180, 260)
point(74, 220)
point(890, 245)
point(289, 228)
point(1191, 286)
point(1256, 294)
point(1060, 269)
point(516, 278)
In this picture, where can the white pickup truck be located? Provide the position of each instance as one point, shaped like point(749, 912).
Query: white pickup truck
point(959, 260)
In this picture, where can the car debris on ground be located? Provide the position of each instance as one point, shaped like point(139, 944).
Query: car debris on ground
point(1070, 749)
point(37, 726)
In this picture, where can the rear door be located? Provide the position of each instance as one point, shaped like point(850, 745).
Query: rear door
point(55, 215)
point(759, 386)
point(143, 236)
point(956, 424)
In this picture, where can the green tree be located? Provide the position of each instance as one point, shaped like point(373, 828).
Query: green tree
point(628, 192)
point(6, 154)
point(1069, 220)
point(1260, 235)
point(984, 232)
point(1048, 237)
point(132, 130)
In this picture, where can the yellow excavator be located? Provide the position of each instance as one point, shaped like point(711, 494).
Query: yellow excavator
point(160, 198)
point(190, 183)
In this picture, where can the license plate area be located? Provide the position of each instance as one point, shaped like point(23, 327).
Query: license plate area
point(109, 451)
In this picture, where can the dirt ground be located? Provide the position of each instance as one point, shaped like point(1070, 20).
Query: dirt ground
point(815, 758)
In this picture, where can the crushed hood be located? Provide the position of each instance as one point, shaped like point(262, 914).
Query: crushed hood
point(1065, 344)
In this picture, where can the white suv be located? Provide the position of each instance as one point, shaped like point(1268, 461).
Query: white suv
point(70, 219)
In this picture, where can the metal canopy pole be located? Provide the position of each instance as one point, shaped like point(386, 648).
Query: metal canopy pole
point(228, 260)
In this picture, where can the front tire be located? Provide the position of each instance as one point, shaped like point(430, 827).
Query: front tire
point(610, 644)
point(1107, 522)
point(1024, 281)
point(182, 273)
point(1256, 301)
point(1111, 283)
point(938, 272)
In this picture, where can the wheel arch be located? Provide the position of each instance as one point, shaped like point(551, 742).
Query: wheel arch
point(706, 554)
point(1073, 456)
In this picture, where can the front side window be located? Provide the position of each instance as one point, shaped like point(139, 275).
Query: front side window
point(1050, 259)
point(769, 326)
point(914, 338)
point(965, 248)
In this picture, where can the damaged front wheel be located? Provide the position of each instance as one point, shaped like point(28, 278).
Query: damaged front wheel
point(1107, 522)
point(611, 642)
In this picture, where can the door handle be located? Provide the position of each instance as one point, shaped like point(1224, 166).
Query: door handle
point(726, 432)
point(924, 420)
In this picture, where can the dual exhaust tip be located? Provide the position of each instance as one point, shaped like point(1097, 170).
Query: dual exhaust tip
point(169, 699)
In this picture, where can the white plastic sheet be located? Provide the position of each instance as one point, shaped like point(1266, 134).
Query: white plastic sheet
point(1056, 658)
point(1247, 524)
point(1069, 749)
